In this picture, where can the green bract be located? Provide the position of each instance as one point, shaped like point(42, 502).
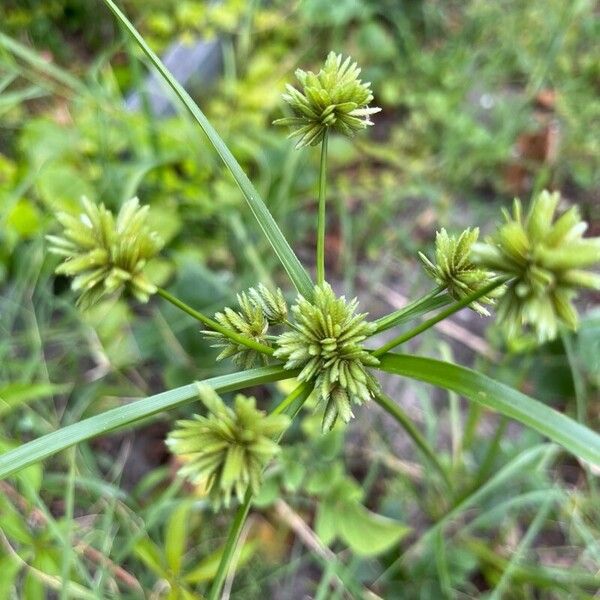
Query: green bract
point(545, 258)
point(228, 449)
point(334, 98)
point(454, 269)
point(105, 255)
point(326, 343)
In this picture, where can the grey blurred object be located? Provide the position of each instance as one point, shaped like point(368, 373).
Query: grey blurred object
point(191, 64)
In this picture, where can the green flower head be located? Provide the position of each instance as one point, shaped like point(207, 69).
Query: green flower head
point(326, 344)
point(105, 255)
point(251, 322)
point(545, 257)
point(272, 304)
point(334, 98)
point(228, 449)
point(454, 269)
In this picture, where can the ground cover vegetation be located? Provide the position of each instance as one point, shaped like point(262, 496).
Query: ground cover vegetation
point(293, 296)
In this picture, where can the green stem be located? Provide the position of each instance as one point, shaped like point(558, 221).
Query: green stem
point(214, 325)
point(430, 301)
point(322, 214)
point(299, 394)
point(444, 314)
point(418, 438)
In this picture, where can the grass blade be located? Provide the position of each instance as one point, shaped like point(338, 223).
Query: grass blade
point(576, 438)
point(286, 255)
point(47, 445)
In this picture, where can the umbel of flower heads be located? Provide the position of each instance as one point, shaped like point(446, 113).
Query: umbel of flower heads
point(545, 259)
point(326, 344)
point(333, 99)
point(105, 255)
point(454, 269)
point(228, 449)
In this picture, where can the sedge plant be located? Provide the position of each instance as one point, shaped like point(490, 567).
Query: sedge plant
point(529, 272)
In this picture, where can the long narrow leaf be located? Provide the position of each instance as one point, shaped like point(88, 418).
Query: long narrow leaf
point(576, 438)
point(54, 442)
point(286, 255)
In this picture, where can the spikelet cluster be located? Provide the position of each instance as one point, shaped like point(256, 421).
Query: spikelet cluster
point(454, 269)
point(258, 308)
point(333, 99)
point(228, 449)
point(326, 344)
point(546, 258)
point(105, 255)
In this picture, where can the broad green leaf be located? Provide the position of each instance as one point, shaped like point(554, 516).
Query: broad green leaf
point(123, 416)
point(175, 537)
point(206, 569)
point(14, 395)
point(576, 438)
point(289, 260)
point(365, 532)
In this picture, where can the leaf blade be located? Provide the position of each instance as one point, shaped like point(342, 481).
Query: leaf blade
point(51, 443)
point(576, 438)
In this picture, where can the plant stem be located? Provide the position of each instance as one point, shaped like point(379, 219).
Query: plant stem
point(444, 314)
point(214, 325)
point(321, 216)
point(426, 303)
point(299, 394)
point(418, 438)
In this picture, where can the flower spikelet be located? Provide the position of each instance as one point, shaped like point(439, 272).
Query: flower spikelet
point(228, 448)
point(249, 321)
point(546, 258)
point(272, 304)
point(454, 269)
point(326, 344)
point(105, 255)
point(334, 98)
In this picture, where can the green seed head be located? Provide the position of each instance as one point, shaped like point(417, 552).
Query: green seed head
point(454, 269)
point(105, 255)
point(546, 258)
point(334, 98)
point(227, 449)
point(272, 304)
point(251, 322)
point(326, 344)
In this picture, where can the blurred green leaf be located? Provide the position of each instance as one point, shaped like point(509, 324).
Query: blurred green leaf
point(176, 530)
point(149, 553)
point(206, 568)
point(365, 532)
point(14, 395)
point(61, 187)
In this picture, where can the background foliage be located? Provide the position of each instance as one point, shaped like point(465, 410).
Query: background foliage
point(473, 113)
